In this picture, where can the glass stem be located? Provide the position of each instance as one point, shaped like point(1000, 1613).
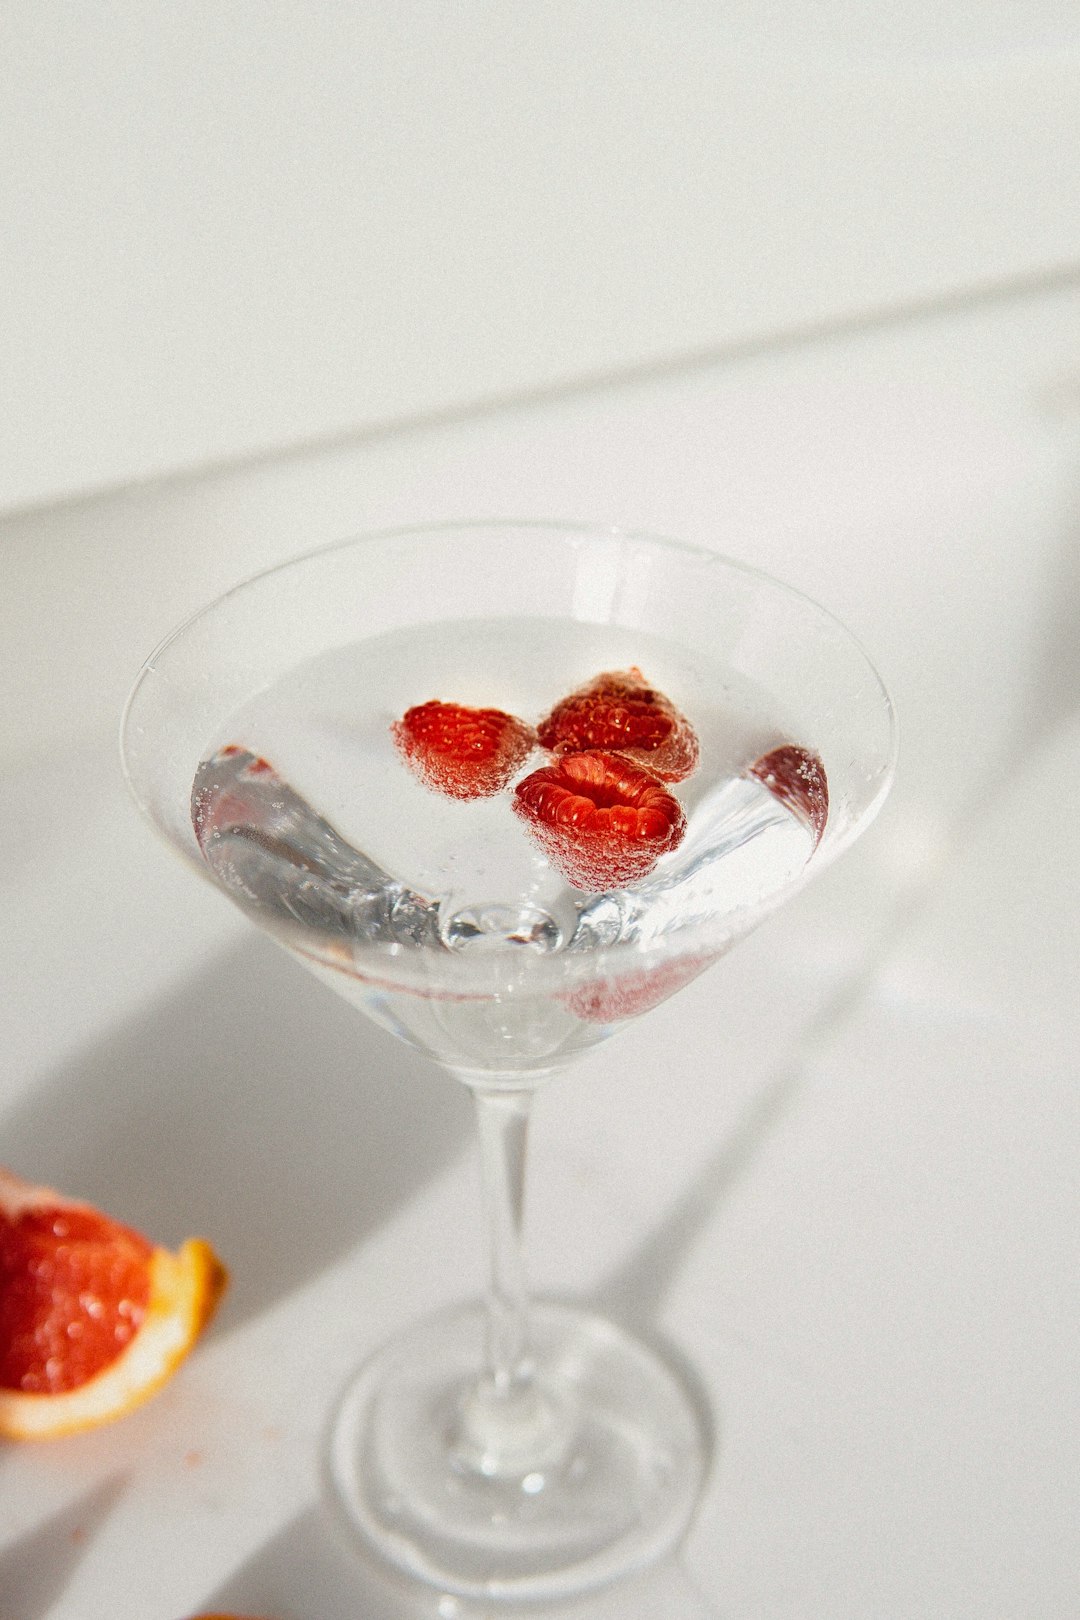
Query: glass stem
point(503, 1123)
point(509, 1423)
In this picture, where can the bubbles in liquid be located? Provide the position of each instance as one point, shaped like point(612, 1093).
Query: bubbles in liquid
point(495, 926)
point(309, 819)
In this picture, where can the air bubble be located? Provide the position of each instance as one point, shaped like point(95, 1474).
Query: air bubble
point(492, 927)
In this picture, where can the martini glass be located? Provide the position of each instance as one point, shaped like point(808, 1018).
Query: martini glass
point(505, 1448)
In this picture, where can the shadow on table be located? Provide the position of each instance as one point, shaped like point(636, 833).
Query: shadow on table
point(309, 1572)
point(36, 1569)
point(253, 1107)
point(636, 1291)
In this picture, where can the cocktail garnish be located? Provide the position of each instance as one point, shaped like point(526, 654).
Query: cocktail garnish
point(462, 752)
point(601, 820)
point(797, 778)
point(631, 994)
point(619, 712)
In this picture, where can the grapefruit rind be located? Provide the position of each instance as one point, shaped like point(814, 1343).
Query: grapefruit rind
point(185, 1288)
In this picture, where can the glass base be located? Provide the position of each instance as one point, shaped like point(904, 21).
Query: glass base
point(591, 1472)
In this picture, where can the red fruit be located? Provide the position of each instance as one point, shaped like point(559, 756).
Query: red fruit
point(620, 712)
point(797, 778)
point(610, 1000)
point(462, 752)
point(74, 1289)
point(214, 812)
point(93, 1316)
point(600, 820)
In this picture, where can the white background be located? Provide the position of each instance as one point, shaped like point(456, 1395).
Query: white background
point(234, 226)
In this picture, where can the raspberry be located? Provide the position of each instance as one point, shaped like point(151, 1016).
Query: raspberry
point(797, 778)
point(600, 820)
point(619, 712)
point(610, 1000)
point(462, 752)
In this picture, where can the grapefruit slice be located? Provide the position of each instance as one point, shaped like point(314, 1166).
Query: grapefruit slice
point(93, 1316)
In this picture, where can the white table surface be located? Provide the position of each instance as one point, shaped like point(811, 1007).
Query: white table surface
point(837, 1175)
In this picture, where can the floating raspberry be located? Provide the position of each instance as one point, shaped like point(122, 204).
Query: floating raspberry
point(215, 813)
point(797, 778)
point(620, 712)
point(610, 1000)
point(601, 821)
point(462, 752)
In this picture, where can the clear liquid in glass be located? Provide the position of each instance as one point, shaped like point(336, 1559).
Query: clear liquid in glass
point(311, 821)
